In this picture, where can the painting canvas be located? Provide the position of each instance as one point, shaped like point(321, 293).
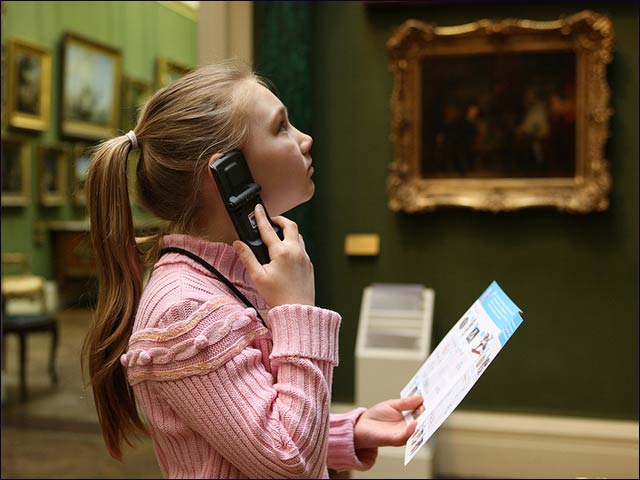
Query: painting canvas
point(81, 162)
point(517, 119)
point(90, 89)
point(15, 172)
point(53, 160)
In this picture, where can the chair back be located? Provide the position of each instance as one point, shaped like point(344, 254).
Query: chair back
point(22, 285)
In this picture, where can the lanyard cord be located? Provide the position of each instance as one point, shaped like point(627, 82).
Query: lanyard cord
point(214, 271)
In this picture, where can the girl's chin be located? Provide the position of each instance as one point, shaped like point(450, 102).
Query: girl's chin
point(284, 208)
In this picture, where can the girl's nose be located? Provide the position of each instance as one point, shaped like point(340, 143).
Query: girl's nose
point(305, 143)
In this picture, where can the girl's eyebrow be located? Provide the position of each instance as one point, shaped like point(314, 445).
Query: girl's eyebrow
point(280, 111)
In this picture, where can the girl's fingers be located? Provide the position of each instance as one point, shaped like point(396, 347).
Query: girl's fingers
point(407, 403)
point(289, 228)
point(248, 259)
point(409, 431)
point(265, 228)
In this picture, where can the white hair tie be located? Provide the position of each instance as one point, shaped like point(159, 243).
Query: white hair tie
point(133, 139)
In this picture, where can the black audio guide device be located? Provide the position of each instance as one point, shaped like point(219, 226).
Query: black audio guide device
point(241, 194)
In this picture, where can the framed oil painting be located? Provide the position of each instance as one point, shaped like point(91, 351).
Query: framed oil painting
point(168, 71)
point(16, 172)
point(90, 100)
point(81, 159)
point(501, 115)
point(53, 174)
point(29, 86)
point(136, 92)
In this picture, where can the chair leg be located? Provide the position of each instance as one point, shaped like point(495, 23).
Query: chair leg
point(52, 359)
point(23, 366)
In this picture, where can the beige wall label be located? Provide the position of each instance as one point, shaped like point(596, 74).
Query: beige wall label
point(362, 244)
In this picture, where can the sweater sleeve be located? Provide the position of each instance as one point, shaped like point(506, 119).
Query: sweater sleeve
point(342, 452)
point(268, 423)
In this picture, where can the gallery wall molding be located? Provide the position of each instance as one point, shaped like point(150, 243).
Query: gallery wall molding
point(500, 445)
point(483, 444)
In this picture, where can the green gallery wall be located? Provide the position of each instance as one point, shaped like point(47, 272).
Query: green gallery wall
point(142, 31)
point(574, 275)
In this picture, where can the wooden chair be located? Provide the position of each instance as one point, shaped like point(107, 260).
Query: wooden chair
point(23, 284)
point(27, 286)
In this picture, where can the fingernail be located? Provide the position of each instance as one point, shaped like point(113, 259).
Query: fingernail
point(259, 207)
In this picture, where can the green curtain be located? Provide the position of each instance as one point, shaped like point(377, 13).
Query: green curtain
point(283, 57)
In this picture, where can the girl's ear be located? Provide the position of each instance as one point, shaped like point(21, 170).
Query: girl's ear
point(212, 159)
point(215, 157)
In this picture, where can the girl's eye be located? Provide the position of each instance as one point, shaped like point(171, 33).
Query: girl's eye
point(283, 126)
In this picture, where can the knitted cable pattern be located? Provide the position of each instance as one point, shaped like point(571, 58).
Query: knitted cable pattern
point(217, 331)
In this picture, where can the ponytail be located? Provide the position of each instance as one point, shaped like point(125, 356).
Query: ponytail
point(205, 112)
point(119, 291)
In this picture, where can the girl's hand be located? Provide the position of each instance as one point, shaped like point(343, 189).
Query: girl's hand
point(288, 278)
point(383, 424)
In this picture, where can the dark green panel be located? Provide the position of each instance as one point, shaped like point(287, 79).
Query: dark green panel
point(282, 46)
point(575, 276)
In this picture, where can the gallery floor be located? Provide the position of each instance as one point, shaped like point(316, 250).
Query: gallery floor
point(55, 433)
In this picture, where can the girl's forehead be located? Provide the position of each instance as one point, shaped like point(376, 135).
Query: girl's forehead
point(261, 101)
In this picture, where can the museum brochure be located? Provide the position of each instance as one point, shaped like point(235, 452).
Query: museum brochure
point(457, 362)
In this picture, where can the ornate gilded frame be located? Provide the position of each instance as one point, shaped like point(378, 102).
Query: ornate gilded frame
point(589, 35)
point(135, 93)
point(53, 174)
point(16, 172)
point(168, 71)
point(28, 105)
point(90, 89)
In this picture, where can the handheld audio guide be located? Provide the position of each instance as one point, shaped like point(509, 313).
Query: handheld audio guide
point(240, 194)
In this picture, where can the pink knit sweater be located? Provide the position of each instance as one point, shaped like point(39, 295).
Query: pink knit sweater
point(225, 397)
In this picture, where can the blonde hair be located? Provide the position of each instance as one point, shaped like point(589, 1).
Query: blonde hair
point(179, 129)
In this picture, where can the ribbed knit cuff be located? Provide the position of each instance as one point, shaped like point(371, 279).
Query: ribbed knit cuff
point(304, 331)
point(342, 453)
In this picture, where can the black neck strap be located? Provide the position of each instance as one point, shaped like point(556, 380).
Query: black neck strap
point(215, 272)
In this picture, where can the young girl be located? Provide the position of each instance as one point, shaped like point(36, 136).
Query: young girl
point(231, 369)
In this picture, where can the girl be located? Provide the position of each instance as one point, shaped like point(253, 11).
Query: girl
point(229, 360)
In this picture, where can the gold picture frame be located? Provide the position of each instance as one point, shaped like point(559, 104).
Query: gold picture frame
point(16, 172)
point(90, 97)
point(53, 174)
point(81, 159)
point(136, 92)
point(461, 141)
point(29, 85)
point(168, 71)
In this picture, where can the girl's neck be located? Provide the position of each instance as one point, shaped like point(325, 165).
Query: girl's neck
point(212, 220)
point(218, 228)
point(217, 232)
